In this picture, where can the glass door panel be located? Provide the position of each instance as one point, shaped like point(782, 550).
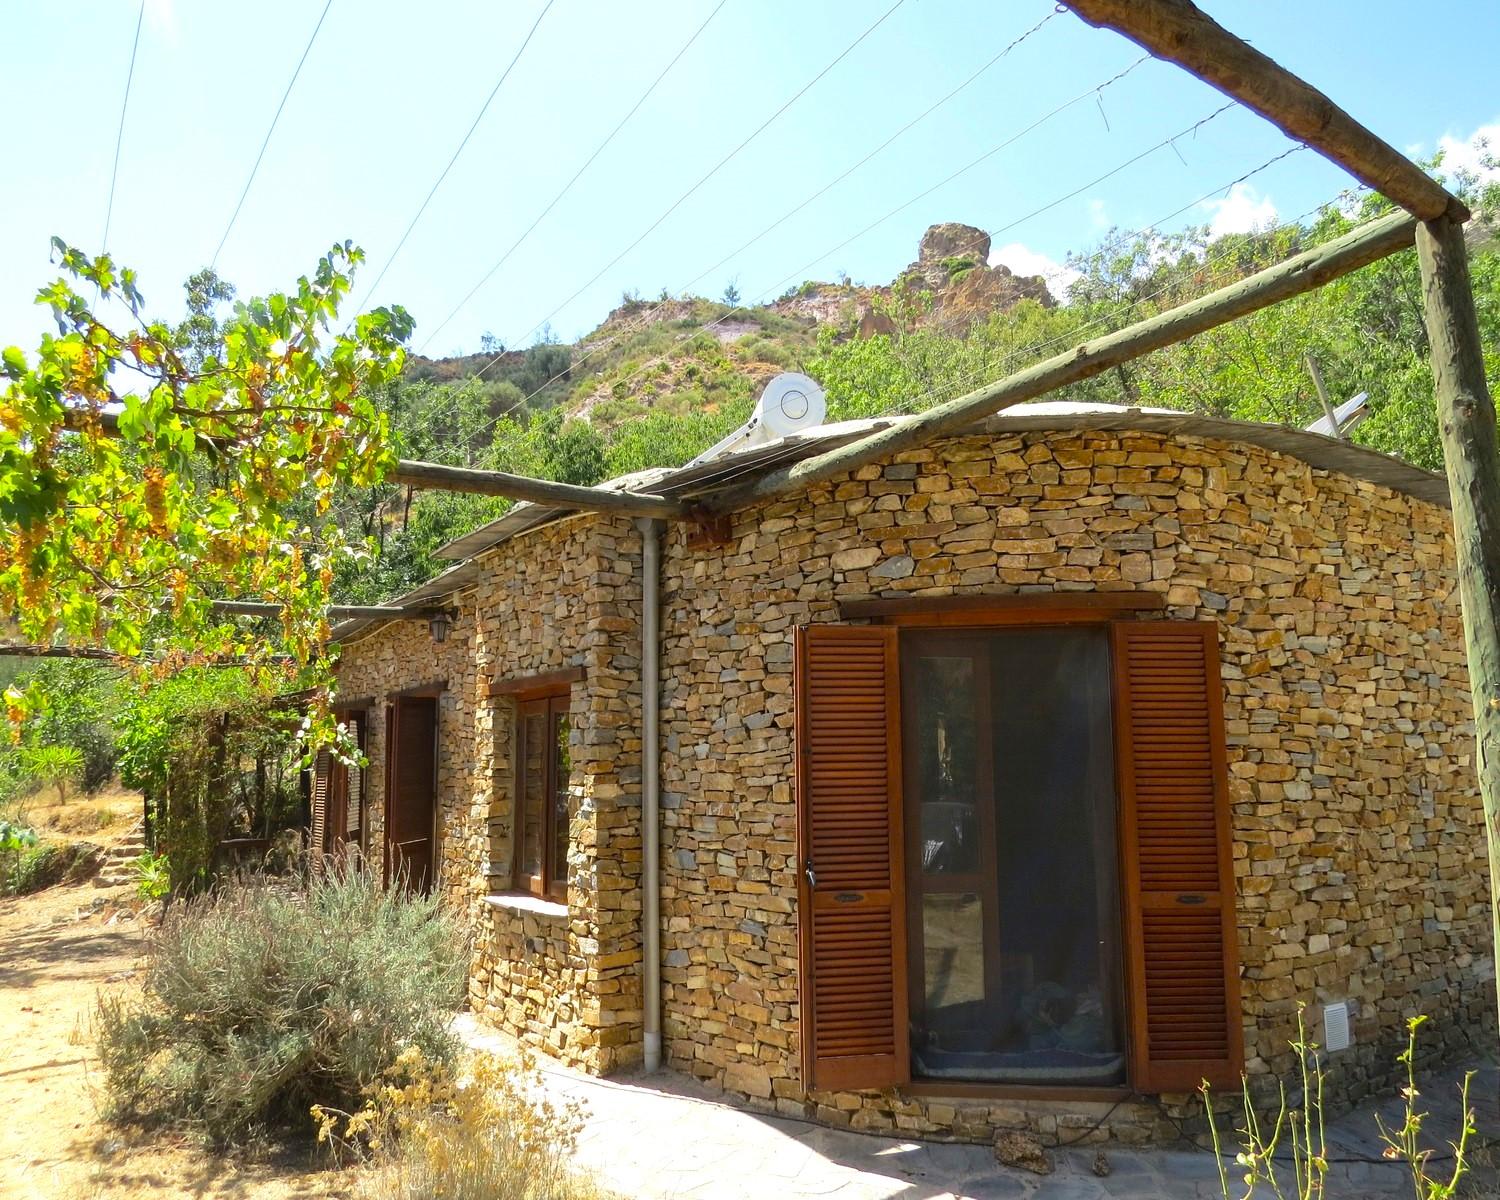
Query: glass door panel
point(1013, 910)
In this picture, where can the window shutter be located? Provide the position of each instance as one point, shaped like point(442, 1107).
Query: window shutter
point(354, 786)
point(1177, 864)
point(851, 886)
point(322, 774)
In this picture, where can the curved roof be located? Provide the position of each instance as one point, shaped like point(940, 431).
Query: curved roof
point(703, 481)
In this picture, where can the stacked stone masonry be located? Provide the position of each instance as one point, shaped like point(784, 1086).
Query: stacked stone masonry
point(1358, 840)
point(563, 978)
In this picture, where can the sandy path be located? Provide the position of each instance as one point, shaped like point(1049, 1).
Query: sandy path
point(52, 1143)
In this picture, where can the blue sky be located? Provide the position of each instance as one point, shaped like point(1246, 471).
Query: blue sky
point(389, 89)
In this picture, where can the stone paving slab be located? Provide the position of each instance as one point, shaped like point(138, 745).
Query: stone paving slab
point(671, 1138)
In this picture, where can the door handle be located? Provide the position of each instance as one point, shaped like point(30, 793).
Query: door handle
point(812, 875)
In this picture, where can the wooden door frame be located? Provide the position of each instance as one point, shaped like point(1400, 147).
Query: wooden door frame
point(981, 615)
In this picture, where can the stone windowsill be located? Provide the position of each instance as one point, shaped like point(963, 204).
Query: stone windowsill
point(524, 902)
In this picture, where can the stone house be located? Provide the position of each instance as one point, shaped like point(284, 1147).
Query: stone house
point(1020, 781)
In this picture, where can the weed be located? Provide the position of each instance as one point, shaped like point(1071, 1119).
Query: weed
point(1263, 1143)
point(493, 1134)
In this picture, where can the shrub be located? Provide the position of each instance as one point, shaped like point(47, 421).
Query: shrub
point(15, 841)
point(492, 1135)
point(259, 1002)
point(74, 705)
point(47, 863)
point(153, 875)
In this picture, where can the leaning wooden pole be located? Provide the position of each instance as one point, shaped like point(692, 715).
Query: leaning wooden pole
point(1302, 273)
point(1180, 32)
point(1471, 457)
point(442, 477)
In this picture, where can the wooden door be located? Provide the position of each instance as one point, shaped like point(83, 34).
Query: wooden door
point(411, 790)
point(851, 882)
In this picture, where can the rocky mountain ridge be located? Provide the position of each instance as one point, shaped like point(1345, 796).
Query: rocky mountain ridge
point(693, 354)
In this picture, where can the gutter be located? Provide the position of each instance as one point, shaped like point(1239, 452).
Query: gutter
point(651, 789)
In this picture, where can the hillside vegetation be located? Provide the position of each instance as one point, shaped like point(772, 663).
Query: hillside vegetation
point(660, 380)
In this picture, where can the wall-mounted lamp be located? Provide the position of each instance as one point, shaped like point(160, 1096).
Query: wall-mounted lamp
point(439, 623)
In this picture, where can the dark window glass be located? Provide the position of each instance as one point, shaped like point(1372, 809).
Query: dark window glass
point(1013, 895)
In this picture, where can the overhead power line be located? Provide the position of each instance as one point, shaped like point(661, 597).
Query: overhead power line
point(479, 116)
point(266, 141)
point(1095, 91)
point(646, 318)
point(801, 272)
point(714, 170)
point(114, 174)
point(1187, 270)
point(588, 162)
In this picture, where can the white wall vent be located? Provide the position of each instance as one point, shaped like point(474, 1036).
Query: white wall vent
point(1336, 1027)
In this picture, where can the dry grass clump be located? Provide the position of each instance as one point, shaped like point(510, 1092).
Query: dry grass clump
point(492, 1133)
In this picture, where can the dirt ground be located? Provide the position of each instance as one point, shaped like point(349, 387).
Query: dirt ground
point(56, 950)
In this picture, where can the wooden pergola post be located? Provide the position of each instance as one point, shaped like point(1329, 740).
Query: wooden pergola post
point(1471, 457)
point(1178, 31)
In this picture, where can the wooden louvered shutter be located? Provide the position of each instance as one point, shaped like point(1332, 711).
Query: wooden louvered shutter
point(1177, 864)
point(322, 777)
point(851, 888)
point(354, 786)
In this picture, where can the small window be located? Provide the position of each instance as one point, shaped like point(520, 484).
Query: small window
point(544, 802)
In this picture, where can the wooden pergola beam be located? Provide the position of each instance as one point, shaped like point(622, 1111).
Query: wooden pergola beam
point(10, 651)
point(1179, 32)
point(541, 491)
point(414, 473)
point(99, 654)
point(336, 612)
point(1302, 273)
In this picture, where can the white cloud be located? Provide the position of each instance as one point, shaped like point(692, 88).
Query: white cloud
point(1242, 211)
point(1465, 153)
point(1023, 260)
point(1098, 214)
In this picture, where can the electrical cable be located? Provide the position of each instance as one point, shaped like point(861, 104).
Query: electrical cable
point(714, 170)
point(801, 271)
point(551, 204)
point(646, 320)
point(478, 117)
point(114, 174)
point(648, 317)
point(266, 141)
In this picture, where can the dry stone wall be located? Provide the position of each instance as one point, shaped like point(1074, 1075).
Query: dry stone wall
point(1357, 831)
point(564, 978)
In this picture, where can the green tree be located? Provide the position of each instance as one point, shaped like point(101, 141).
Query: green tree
point(52, 766)
point(216, 479)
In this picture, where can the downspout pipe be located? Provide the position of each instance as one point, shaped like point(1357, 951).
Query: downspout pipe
point(651, 789)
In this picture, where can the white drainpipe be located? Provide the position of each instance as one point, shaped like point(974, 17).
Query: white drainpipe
point(651, 788)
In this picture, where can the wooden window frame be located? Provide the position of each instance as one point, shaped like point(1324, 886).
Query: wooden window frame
point(550, 703)
point(1014, 608)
